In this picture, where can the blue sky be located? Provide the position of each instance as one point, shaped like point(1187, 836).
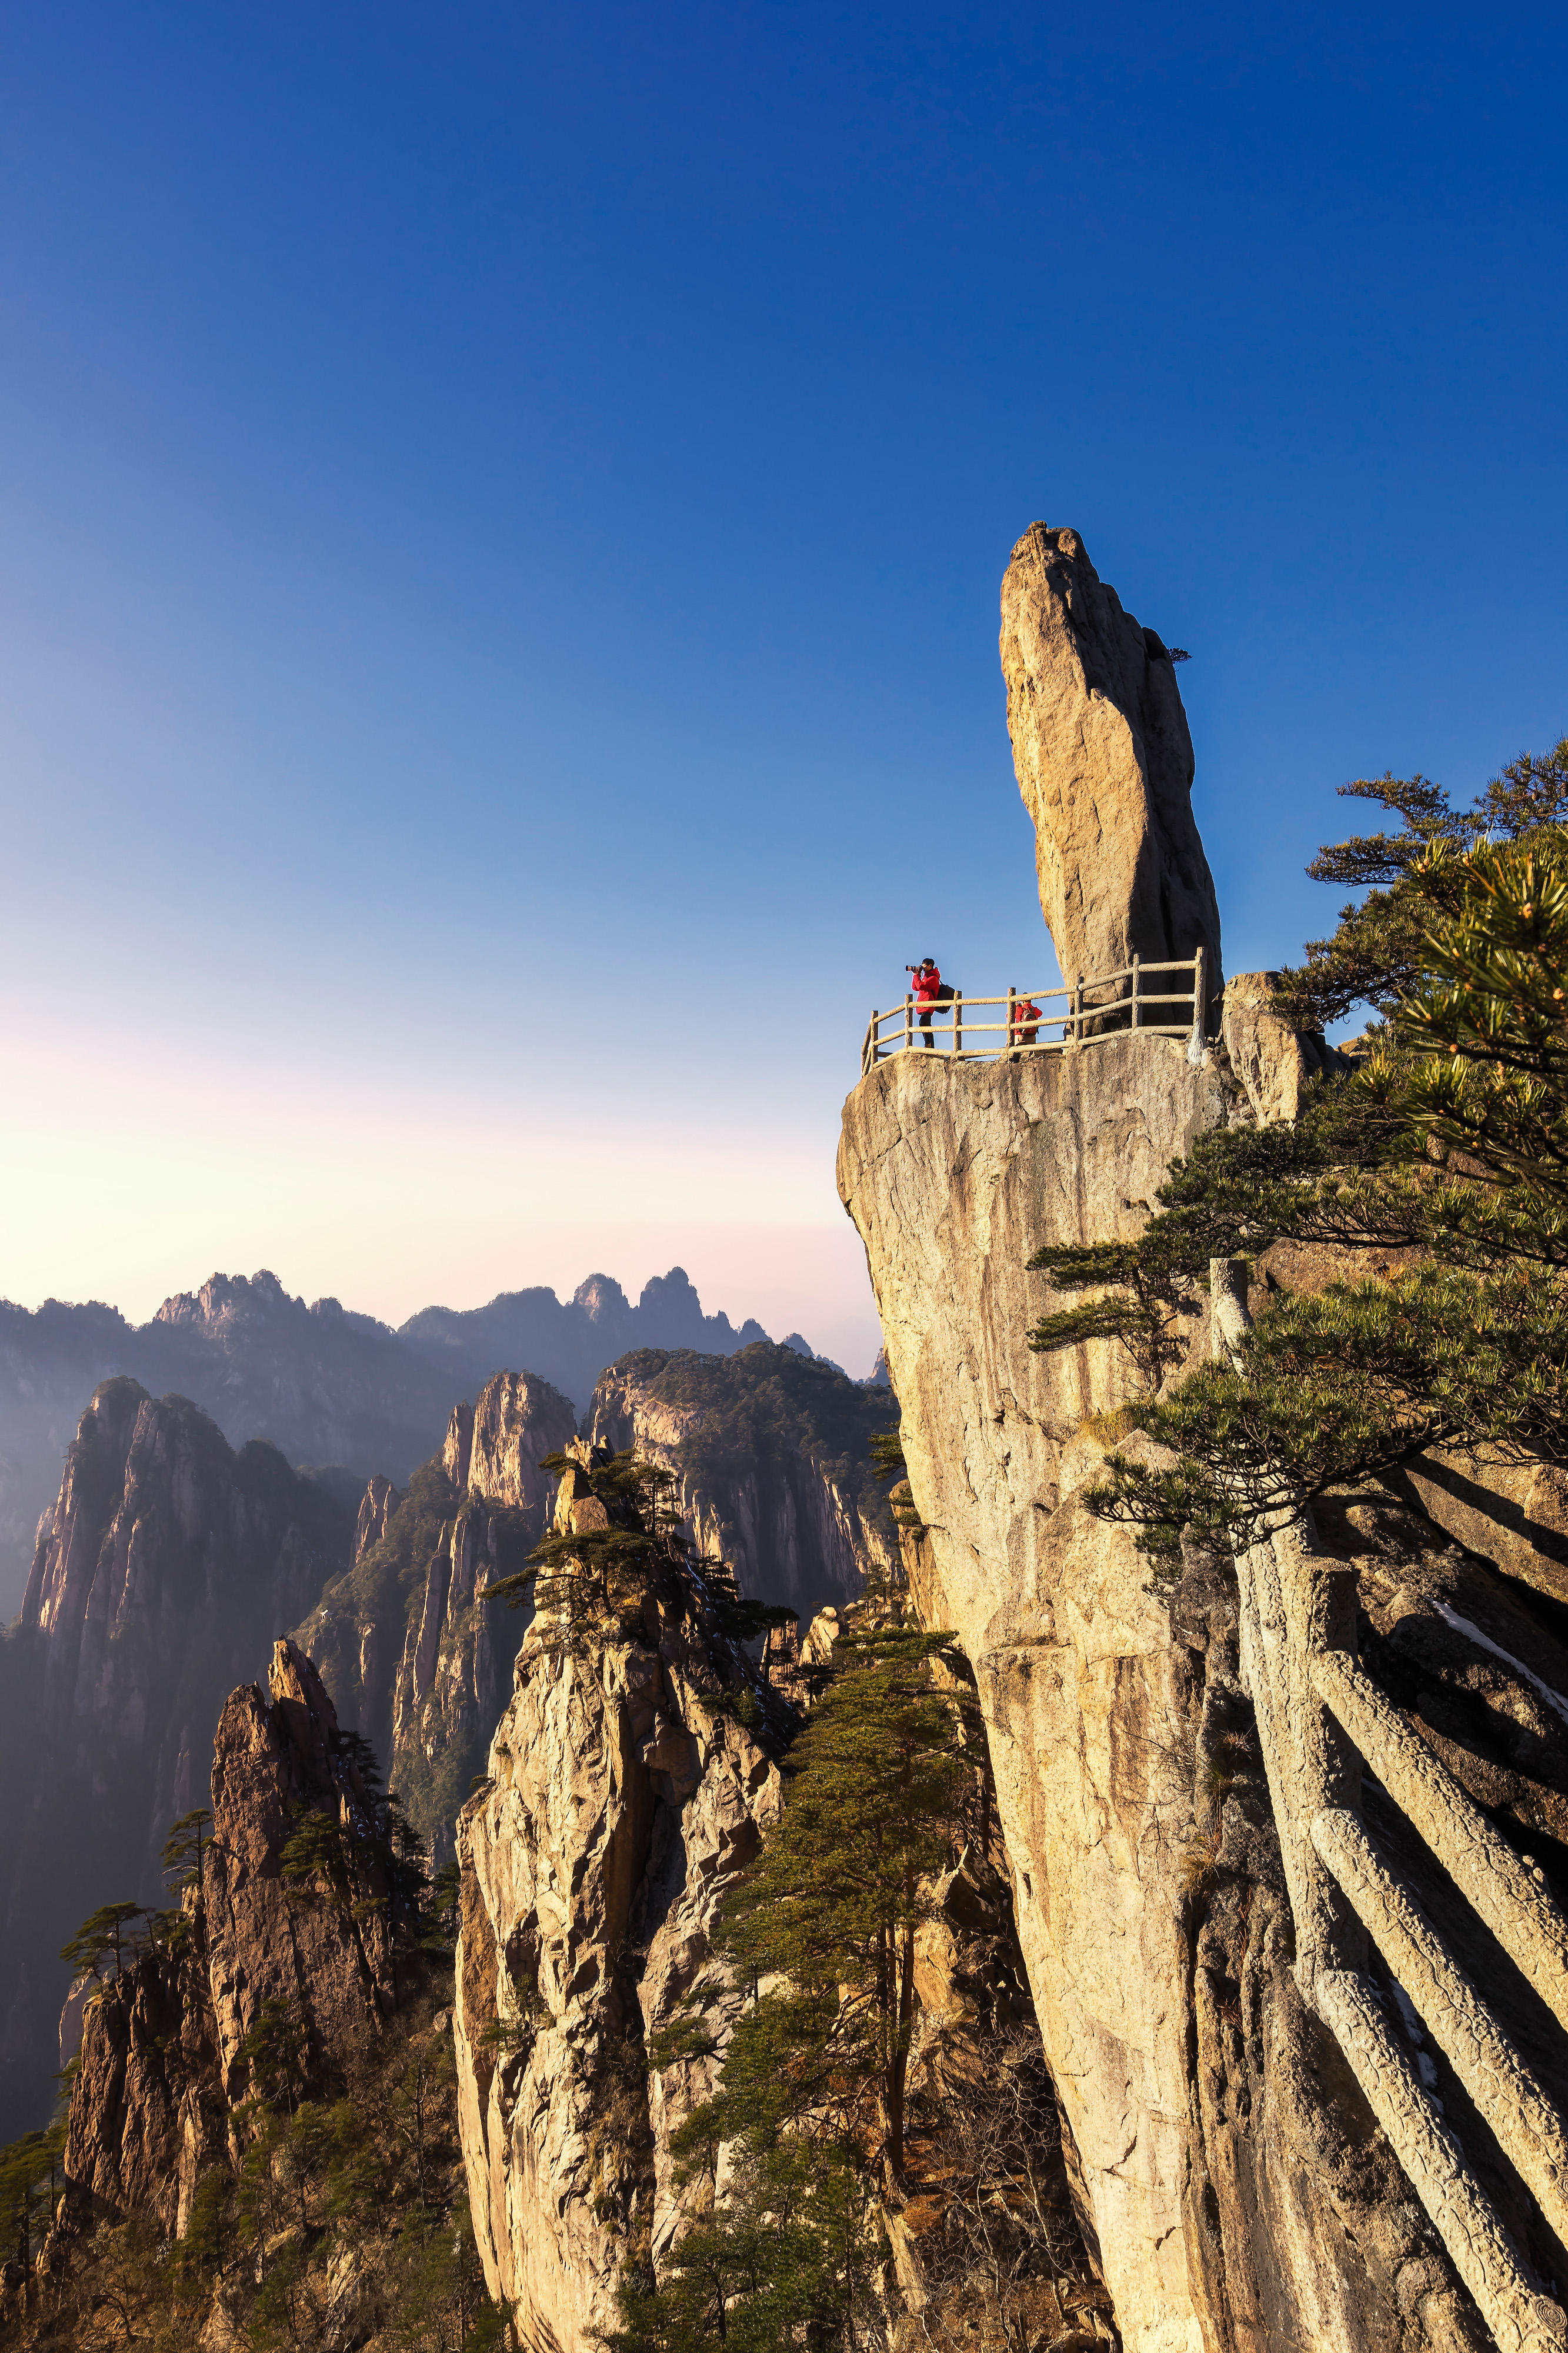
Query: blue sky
point(501, 521)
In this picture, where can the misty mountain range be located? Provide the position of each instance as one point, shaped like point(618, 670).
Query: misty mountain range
point(326, 1386)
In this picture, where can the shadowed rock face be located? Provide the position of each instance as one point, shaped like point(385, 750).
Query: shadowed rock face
point(161, 2059)
point(1104, 761)
point(164, 1572)
point(773, 1454)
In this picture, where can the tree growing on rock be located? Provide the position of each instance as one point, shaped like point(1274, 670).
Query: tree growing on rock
point(186, 1845)
point(1377, 955)
point(103, 1935)
point(1449, 1145)
point(812, 2096)
point(589, 1579)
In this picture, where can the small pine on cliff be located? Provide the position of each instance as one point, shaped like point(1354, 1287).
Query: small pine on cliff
point(1447, 1148)
point(771, 1453)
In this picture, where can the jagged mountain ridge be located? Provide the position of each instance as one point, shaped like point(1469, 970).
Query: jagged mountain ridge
point(323, 1383)
point(773, 1454)
point(571, 1342)
point(170, 1563)
point(168, 1566)
point(770, 1450)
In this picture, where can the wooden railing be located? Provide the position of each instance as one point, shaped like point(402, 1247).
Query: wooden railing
point(1319, 1719)
point(1106, 1005)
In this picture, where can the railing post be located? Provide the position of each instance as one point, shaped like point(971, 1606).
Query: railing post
point(908, 1023)
point(1294, 1602)
point(1198, 1040)
point(876, 1041)
point(1134, 1000)
point(1011, 1021)
point(958, 1020)
point(1078, 1011)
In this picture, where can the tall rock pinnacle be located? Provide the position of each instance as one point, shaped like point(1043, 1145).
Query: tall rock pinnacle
point(1104, 761)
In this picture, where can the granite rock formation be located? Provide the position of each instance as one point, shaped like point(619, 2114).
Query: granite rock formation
point(1104, 761)
point(620, 1806)
point(1241, 2192)
point(772, 1452)
point(1272, 1063)
point(323, 1383)
point(1240, 2195)
point(407, 1645)
point(161, 2068)
point(164, 1572)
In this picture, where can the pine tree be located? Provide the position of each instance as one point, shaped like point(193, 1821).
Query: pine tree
point(590, 1584)
point(186, 1845)
point(811, 2098)
point(1452, 1145)
point(31, 2172)
point(315, 1860)
point(104, 1934)
point(1377, 955)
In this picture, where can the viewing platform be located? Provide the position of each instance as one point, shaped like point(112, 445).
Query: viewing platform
point(1106, 1005)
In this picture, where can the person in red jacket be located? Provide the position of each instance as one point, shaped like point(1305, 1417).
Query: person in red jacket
point(928, 994)
point(1026, 1019)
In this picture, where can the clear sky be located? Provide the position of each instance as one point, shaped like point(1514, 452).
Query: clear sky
point(502, 513)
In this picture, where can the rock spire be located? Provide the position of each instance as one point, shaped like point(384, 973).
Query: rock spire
point(1104, 761)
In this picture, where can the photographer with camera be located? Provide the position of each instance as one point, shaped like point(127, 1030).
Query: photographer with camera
point(928, 994)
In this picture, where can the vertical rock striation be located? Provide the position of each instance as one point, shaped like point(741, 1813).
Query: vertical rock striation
point(452, 1679)
point(1104, 761)
point(771, 1453)
point(408, 1646)
point(955, 1174)
point(162, 2065)
point(622, 1803)
point(162, 1576)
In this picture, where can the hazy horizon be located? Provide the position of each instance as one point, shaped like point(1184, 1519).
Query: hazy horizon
point(859, 1336)
point(503, 524)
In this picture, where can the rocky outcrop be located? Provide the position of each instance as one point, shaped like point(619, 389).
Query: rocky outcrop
point(1241, 2192)
point(622, 1800)
point(1104, 761)
point(164, 1572)
point(954, 1176)
point(771, 1453)
point(377, 1505)
point(324, 1385)
point(1273, 1063)
point(162, 2063)
point(408, 1646)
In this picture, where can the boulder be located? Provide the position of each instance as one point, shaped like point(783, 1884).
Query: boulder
point(1272, 1062)
point(1104, 761)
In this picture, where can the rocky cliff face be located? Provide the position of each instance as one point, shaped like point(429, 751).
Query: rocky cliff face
point(954, 1176)
point(771, 1450)
point(167, 1568)
point(407, 1644)
point(1104, 761)
point(1241, 2193)
point(621, 1804)
point(162, 2065)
